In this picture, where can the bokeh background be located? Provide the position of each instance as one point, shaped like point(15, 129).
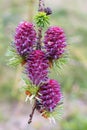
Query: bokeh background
point(14, 112)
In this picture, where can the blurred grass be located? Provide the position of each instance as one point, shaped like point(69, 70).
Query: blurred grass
point(75, 122)
point(74, 23)
point(73, 77)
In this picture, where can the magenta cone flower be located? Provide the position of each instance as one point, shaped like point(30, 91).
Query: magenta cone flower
point(55, 42)
point(25, 37)
point(50, 95)
point(37, 67)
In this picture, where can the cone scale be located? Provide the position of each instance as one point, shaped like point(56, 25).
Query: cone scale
point(55, 42)
point(25, 37)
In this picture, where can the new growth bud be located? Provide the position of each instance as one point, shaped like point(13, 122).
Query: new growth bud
point(48, 11)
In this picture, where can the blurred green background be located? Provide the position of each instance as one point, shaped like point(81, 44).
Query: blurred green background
point(72, 16)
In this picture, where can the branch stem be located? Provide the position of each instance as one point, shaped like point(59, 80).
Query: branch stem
point(32, 113)
point(41, 9)
point(38, 47)
point(39, 39)
point(41, 5)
